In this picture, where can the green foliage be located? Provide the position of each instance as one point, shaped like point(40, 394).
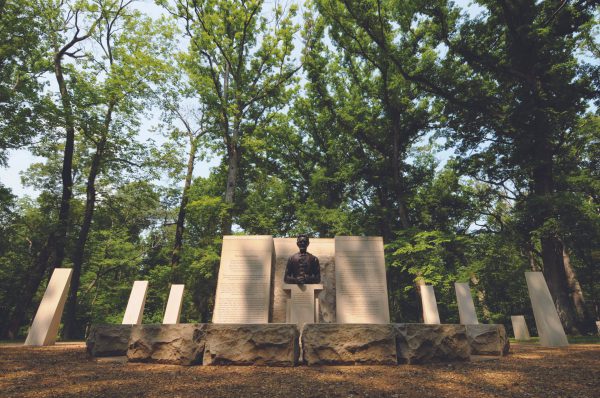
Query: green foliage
point(344, 140)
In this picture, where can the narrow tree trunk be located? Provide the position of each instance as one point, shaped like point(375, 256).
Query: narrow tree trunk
point(175, 256)
point(233, 165)
point(70, 330)
point(52, 254)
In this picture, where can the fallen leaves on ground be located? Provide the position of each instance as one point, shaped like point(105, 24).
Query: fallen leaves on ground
point(529, 371)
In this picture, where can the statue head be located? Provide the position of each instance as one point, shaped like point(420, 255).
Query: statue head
point(302, 242)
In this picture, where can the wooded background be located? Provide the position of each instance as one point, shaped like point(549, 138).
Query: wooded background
point(468, 137)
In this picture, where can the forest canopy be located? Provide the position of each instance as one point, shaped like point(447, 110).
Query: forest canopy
point(466, 135)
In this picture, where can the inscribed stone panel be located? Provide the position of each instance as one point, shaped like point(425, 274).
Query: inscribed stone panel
point(361, 288)
point(244, 281)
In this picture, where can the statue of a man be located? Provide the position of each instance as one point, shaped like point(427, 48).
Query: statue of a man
point(302, 267)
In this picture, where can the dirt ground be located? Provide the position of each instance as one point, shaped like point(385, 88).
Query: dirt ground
point(65, 370)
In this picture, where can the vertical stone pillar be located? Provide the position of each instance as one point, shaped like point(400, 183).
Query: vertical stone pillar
point(520, 327)
point(547, 321)
point(47, 318)
point(466, 308)
point(430, 309)
point(302, 303)
point(135, 306)
point(173, 310)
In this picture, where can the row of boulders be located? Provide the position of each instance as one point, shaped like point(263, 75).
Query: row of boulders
point(286, 345)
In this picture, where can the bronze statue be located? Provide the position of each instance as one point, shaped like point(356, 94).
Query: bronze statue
point(302, 267)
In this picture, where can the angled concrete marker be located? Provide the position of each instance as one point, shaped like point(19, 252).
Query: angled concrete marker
point(430, 309)
point(547, 321)
point(520, 327)
point(135, 306)
point(173, 310)
point(466, 308)
point(47, 318)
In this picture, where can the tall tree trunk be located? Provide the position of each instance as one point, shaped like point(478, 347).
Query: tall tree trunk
point(584, 318)
point(52, 254)
point(552, 247)
point(70, 330)
point(233, 165)
point(176, 255)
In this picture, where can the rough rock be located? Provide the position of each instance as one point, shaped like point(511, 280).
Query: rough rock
point(348, 344)
point(421, 343)
point(179, 344)
point(488, 339)
point(108, 340)
point(251, 344)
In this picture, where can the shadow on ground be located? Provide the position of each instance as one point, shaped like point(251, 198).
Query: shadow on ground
point(530, 371)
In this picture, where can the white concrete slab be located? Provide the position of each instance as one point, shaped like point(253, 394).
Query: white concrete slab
point(547, 321)
point(135, 306)
point(520, 327)
point(244, 282)
point(173, 310)
point(466, 307)
point(302, 303)
point(47, 318)
point(431, 315)
point(361, 287)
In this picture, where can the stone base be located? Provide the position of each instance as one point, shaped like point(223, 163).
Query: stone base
point(421, 343)
point(488, 339)
point(348, 344)
point(108, 340)
point(274, 344)
point(278, 344)
point(179, 344)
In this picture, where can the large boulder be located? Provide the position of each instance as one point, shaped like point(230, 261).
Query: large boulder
point(180, 344)
point(108, 340)
point(422, 343)
point(488, 340)
point(251, 344)
point(348, 344)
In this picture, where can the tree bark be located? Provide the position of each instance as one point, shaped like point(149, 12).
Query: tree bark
point(584, 317)
point(180, 225)
point(52, 254)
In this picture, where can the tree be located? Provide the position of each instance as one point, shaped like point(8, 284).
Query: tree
point(22, 48)
point(131, 60)
point(64, 22)
point(511, 90)
point(240, 65)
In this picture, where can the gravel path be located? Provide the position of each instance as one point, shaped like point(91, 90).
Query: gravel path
point(65, 370)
